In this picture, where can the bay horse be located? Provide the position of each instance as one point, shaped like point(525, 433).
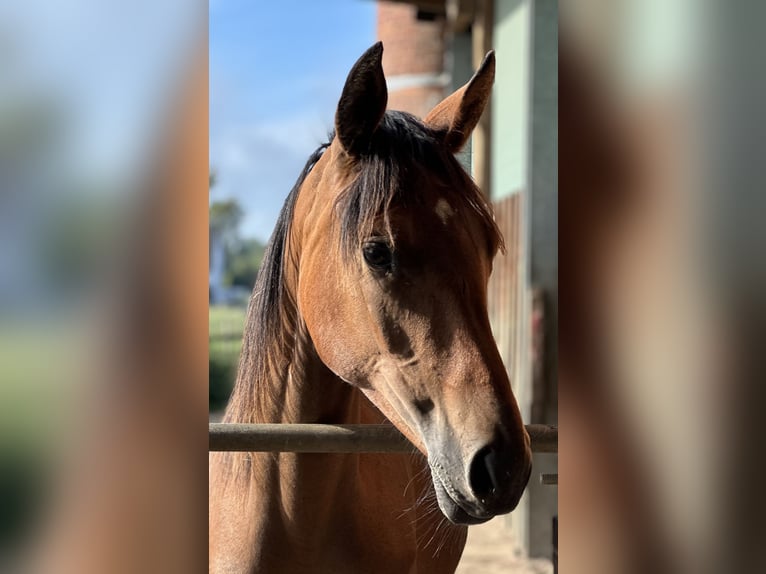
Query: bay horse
point(371, 306)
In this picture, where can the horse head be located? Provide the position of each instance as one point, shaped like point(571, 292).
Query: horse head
point(396, 246)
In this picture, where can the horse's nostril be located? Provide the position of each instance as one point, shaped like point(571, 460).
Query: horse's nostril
point(483, 475)
point(424, 406)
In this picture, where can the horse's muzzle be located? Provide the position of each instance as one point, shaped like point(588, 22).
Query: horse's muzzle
point(498, 479)
point(492, 484)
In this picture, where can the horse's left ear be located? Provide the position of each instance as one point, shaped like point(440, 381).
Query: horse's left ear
point(459, 113)
point(363, 102)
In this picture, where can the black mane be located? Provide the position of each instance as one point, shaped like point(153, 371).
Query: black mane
point(270, 309)
point(402, 147)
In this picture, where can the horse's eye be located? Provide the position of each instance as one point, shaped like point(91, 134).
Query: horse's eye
point(378, 255)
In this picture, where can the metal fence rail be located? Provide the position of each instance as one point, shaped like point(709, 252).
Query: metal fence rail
point(335, 438)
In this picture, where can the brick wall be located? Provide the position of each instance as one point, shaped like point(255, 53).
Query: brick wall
point(413, 58)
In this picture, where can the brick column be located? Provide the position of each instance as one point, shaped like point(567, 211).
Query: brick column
point(413, 58)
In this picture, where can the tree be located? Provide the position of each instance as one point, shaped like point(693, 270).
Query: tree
point(243, 262)
point(212, 179)
point(225, 217)
point(234, 261)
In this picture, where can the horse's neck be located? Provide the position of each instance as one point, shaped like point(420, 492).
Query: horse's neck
point(283, 380)
point(291, 507)
point(313, 393)
point(288, 502)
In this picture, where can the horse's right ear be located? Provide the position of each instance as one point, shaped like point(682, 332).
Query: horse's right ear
point(459, 113)
point(362, 103)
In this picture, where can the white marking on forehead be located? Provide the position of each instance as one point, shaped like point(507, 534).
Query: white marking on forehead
point(444, 210)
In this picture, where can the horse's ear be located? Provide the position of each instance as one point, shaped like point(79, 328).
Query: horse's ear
point(459, 113)
point(362, 103)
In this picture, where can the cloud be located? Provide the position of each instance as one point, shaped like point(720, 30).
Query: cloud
point(259, 163)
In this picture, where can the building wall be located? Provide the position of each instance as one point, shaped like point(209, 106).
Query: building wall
point(413, 58)
point(542, 260)
point(544, 147)
point(510, 112)
point(525, 175)
point(506, 289)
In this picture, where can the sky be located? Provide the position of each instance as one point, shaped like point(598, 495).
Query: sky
point(106, 67)
point(276, 73)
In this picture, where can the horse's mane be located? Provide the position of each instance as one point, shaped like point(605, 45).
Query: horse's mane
point(270, 314)
point(401, 145)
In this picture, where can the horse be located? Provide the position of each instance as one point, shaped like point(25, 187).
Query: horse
point(371, 307)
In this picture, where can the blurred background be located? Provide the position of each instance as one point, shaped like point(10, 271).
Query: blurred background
point(88, 91)
point(659, 276)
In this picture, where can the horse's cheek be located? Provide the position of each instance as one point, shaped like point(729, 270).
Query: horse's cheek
point(323, 311)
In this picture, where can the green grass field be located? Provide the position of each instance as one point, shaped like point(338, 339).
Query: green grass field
point(225, 340)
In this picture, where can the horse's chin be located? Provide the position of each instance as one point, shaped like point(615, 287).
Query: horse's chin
point(452, 510)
